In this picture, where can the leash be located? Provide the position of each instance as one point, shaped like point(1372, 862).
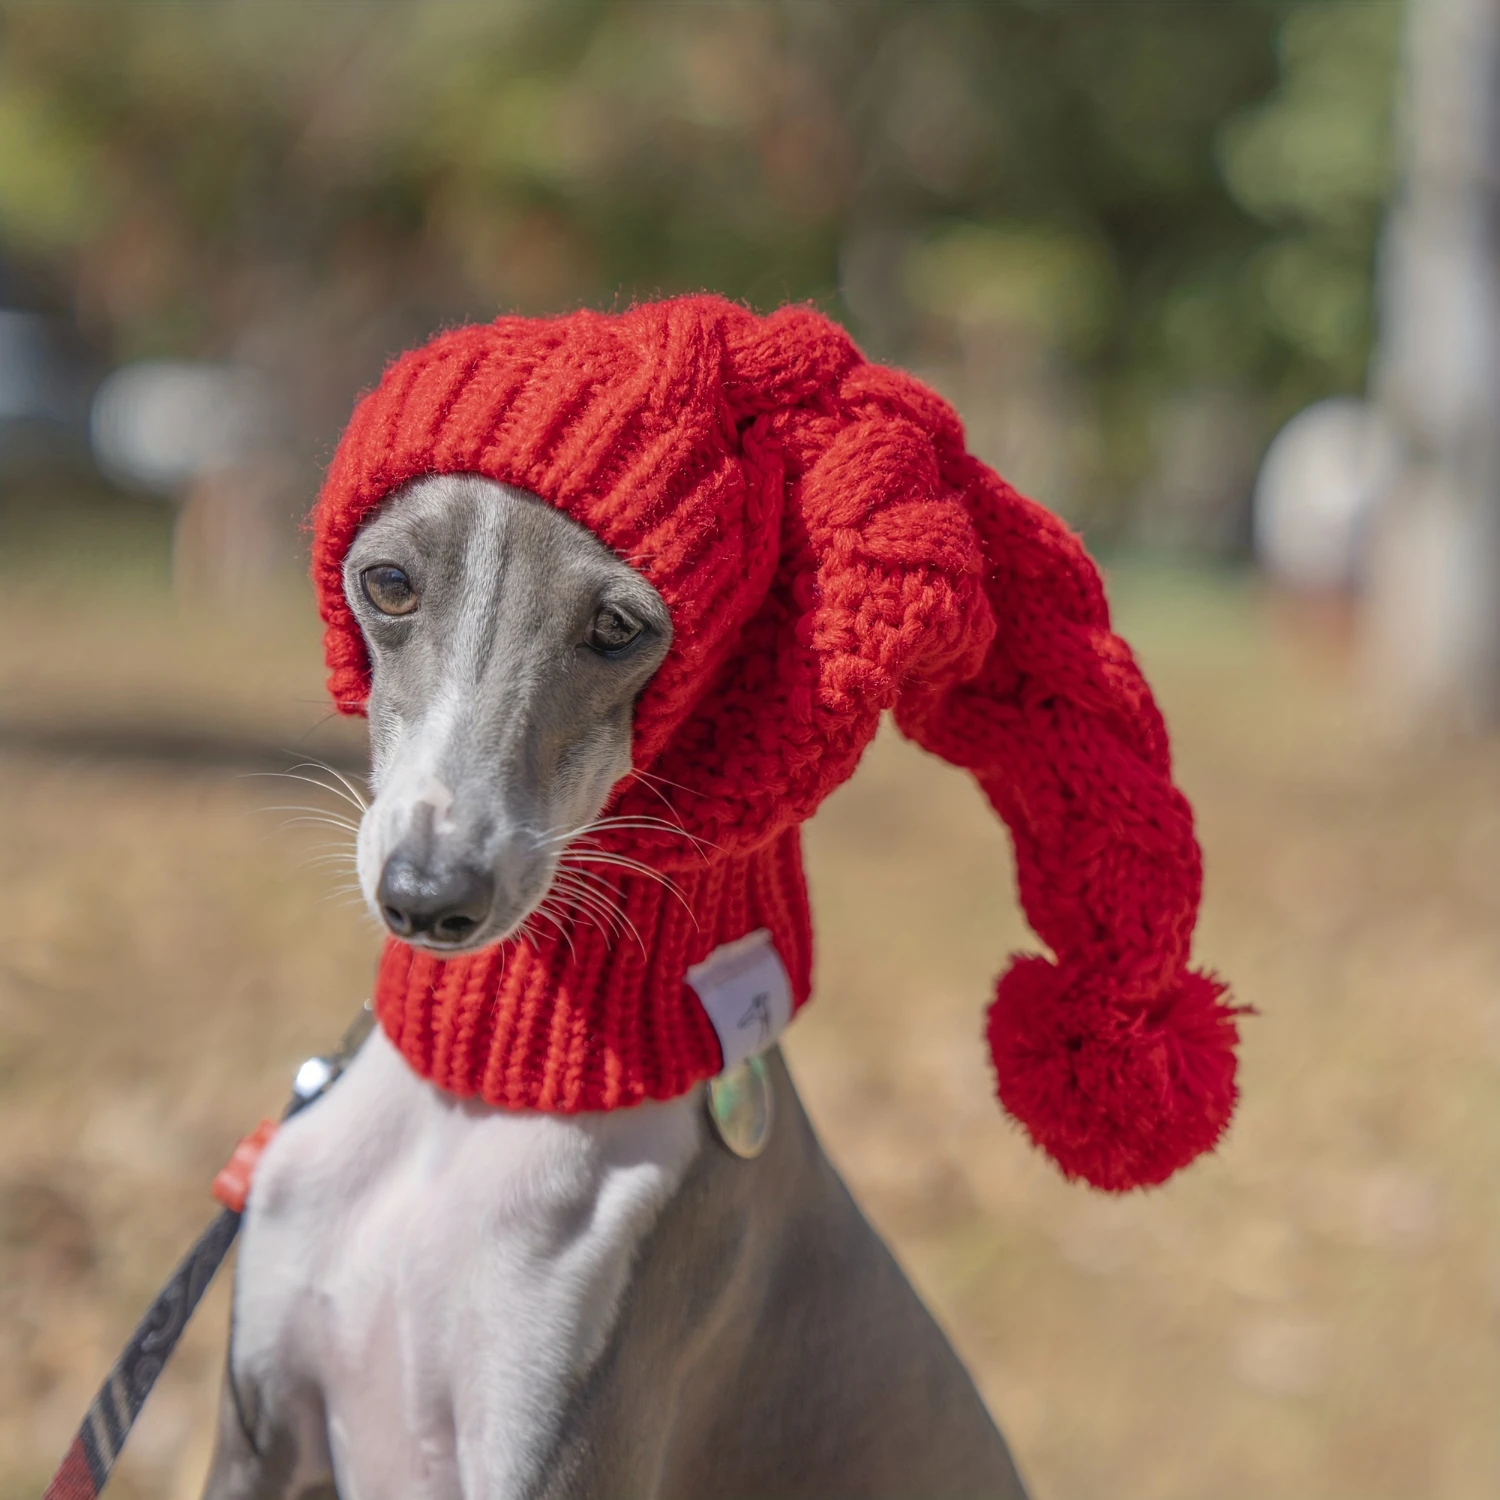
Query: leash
point(86, 1467)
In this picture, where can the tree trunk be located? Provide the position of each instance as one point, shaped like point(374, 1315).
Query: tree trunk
point(1432, 616)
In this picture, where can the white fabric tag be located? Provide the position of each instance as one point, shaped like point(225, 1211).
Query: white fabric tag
point(745, 990)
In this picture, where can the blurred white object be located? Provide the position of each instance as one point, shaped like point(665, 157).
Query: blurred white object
point(203, 435)
point(160, 424)
point(1320, 483)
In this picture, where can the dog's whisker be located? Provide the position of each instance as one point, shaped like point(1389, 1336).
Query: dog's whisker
point(580, 895)
point(573, 857)
point(587, 850)
point(330, 851)
point(623, 820)
point(303, 807)
point(665, 781)
point(641, 821)
point(306, 820)
point(594, 901)
point(528, 932)
point(657, 792)
point(558, 835)
point(543, 910)
point(569, 878)
point(623, 823)
point(604, 894)
point(593, 920)
point(336, 791)
point(341, 898)
point(355, 795)
point(320, 815)
point(592, 877)
point(306, 807)
point(646, 822)
point(301, 823)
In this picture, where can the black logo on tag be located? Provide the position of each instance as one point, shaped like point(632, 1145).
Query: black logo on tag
point(759, 1014)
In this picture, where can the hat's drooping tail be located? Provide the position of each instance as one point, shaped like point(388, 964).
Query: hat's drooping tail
point(1115, 1056)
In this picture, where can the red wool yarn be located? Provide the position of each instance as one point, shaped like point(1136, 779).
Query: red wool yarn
point(828, 550)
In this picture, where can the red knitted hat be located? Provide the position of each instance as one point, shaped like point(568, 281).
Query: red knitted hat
point(828, 550)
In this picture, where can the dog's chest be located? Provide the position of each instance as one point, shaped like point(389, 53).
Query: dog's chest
point(437, 1276)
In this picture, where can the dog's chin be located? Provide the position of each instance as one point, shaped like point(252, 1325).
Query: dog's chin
point(448, 950)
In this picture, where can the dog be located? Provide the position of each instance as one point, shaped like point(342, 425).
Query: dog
point(561, 1229)
point(435, 1298)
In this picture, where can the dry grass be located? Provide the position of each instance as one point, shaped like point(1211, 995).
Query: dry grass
point(1310, 1314)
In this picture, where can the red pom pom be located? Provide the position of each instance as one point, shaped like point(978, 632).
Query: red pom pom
point(1119, 1091)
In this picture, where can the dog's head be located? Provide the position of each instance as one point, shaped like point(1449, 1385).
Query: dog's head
point(507, 648)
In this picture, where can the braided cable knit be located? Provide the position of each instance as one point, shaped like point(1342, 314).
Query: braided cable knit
point(828, 550)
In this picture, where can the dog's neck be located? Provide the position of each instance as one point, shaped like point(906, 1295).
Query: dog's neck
point(580, 1017)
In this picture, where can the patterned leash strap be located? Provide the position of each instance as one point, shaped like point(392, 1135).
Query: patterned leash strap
point(86, 1467)
point(114, 1410)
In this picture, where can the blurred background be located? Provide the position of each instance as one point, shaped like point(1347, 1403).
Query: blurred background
point(1216, 279)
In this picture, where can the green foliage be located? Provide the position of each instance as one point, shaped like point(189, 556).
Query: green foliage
point(48, 170)
point(1030, 279)
point(1162, 196)
point(1314, 163)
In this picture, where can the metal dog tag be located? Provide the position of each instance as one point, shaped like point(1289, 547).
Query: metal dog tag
point(740, 1106)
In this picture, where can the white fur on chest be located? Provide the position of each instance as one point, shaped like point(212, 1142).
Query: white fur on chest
point(440, 1274)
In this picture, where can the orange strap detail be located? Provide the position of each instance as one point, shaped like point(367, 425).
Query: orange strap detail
point(232, 1185)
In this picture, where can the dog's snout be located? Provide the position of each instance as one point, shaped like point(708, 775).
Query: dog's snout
point(444, 906)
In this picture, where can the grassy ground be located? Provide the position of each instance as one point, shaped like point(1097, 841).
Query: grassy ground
point(1312, 1313)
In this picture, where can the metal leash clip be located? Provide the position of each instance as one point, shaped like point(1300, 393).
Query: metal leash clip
point(318, 1074)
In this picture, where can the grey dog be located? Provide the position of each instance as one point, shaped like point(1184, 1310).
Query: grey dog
point(436, 1299)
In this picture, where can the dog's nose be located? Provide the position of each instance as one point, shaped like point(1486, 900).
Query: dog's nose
point(444, 906)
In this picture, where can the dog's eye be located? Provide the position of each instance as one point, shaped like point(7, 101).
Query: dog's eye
point(388, 589)
point(611, 631)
